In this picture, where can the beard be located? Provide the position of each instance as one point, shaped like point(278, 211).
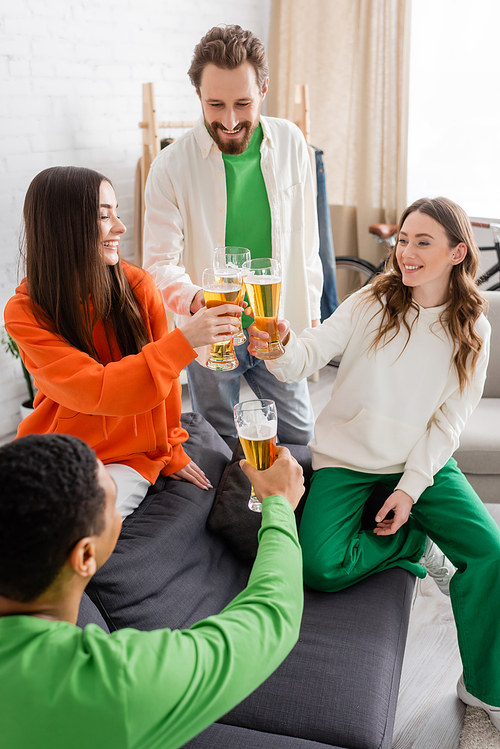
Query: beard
point(232, 147)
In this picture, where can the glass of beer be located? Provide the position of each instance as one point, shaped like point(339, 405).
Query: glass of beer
point(222, 286)
point(257, 425)
point(263, 285)
point(233, 257)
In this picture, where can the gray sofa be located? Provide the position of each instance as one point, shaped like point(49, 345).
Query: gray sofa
point(479, 453)
point(339, 685)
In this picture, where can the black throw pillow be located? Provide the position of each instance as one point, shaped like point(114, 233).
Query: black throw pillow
point(230, 516)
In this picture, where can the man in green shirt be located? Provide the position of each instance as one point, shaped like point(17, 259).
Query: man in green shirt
point(61, 687)
point(237, 178)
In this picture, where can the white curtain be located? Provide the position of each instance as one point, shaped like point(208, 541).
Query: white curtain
point(354, 57)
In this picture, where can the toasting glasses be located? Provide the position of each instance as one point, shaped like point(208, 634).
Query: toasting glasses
point(257, 425)
point(263, 285)
point(222, 286)
point(233, 257)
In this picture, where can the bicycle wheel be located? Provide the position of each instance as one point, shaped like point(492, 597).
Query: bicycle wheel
point(352, 273)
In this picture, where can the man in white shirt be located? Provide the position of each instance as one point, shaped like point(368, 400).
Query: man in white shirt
point(236, 179)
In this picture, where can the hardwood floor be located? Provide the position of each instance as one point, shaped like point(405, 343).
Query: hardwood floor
point(429, 714)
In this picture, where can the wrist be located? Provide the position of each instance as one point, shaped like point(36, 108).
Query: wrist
point(195, 303)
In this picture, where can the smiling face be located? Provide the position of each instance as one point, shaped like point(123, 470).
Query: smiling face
point(110, 225)
point(231, 102)
point(426, 259)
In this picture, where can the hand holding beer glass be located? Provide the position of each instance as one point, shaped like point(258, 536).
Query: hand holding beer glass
point(222, 286)
point(257, 425)
point(263, 285)
point(233, 257)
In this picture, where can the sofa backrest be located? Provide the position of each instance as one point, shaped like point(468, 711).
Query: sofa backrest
point(492, 386)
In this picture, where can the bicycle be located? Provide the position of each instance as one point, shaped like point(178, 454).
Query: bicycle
point(495, 268)
point(354, 272)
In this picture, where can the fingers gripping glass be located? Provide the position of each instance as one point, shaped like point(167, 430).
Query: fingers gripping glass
point(233, 257)
point(263, 285)
point(257, 425)
point(222, 286)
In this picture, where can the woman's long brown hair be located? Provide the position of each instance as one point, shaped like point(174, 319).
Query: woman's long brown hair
point(68, 280)
point(465, 302)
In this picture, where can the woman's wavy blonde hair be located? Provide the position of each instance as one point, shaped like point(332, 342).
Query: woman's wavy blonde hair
point(465, 303)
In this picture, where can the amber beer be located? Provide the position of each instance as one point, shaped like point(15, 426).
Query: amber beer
point(230, 294)
point(257, 424)
point(222, 353)
point(233, 257)
point(221, 288)
point(264, 295)
point(259, 444)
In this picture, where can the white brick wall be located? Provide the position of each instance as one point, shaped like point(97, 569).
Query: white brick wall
point(71, 78)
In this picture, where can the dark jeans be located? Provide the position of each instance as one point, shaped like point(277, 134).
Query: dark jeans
point(329, 301)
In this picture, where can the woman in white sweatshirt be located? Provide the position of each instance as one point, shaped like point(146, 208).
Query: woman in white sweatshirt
point(414, 347)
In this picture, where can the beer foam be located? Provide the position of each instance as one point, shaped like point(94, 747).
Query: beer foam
point(225, 271)
point(265, 431)
point(261, 280)
point(226, 288)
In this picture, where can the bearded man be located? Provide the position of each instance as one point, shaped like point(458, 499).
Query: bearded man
point(240, 179)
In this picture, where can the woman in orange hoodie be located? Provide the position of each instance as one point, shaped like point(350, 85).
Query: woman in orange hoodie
point(92, 330)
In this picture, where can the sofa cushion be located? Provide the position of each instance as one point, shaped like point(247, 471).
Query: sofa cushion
point(230, 517)
point(480, 440)
point(492, 385)
point(89, 613)
point(223, 737)
point(340, 683)
point(486, 486)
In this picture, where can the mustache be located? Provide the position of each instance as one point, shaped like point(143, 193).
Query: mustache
point(244, 125)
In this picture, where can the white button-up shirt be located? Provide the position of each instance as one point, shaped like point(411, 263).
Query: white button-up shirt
point(186, 217)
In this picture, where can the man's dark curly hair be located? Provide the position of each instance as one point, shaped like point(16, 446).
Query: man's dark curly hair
point(228, 47)
point(50, 498)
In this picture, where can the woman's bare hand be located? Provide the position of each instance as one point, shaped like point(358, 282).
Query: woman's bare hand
point(212, 325)
point(193, 474)
point(260, 337)
point(401, 503)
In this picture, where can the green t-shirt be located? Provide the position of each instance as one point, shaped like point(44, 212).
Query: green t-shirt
point(248, 219)
point(61, 688)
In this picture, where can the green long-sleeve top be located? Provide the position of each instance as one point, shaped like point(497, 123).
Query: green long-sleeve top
point(61, 687)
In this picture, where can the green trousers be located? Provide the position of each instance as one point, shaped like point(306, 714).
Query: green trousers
point(337, 554)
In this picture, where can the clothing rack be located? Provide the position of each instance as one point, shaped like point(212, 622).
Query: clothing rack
point(151, 146)
point(302, 118)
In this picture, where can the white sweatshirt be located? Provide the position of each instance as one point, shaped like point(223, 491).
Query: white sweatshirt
point(396, 410)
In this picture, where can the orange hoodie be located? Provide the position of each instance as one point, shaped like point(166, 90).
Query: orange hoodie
point(127, 409)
